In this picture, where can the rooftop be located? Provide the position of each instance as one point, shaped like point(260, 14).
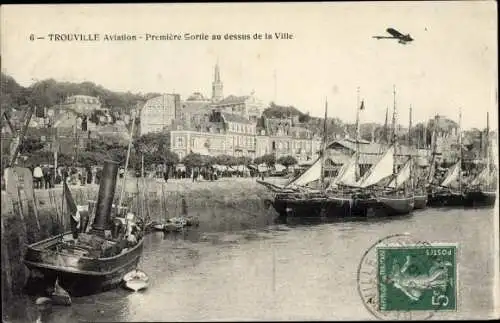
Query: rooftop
point(230, 117)
point(197, 96)
point(195, 107)
point(369, 148)
point(233, 99)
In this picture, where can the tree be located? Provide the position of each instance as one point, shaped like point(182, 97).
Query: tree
point(269, 160)
point(196, 160)
point(156, 149)
point(287, 161)
point(30, 145)
point(224, 160)
point(243, 160)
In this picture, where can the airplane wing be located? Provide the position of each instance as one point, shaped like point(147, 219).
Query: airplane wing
point(394, 33)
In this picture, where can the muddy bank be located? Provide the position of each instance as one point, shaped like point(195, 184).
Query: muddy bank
point(224, 205)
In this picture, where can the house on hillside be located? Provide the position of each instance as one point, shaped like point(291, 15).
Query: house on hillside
point(195, 110)
point(82, 104)
point(248, 106)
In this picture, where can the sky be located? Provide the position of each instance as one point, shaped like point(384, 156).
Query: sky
point(451, 65)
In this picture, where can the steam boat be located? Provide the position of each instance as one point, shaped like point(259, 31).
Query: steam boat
point(91, 258)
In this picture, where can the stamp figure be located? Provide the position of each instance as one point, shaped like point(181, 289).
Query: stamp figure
point(413, 278)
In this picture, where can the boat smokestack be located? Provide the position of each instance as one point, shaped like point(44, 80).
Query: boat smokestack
point(105, 197)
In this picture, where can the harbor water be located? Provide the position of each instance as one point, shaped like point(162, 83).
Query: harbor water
point(281, 272)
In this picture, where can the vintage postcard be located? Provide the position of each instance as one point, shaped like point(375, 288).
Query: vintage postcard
point(249, 161)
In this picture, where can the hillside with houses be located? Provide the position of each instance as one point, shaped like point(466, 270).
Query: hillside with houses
point(78, 114)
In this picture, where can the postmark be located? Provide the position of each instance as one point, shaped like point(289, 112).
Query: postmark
point(403, 278)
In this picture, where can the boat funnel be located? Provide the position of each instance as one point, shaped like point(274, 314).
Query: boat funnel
point(105, 198)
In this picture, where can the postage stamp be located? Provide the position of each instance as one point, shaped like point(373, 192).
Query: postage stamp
point(402, 278)
point(417, 278)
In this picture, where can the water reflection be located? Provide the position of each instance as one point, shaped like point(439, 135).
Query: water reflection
point(296, 271)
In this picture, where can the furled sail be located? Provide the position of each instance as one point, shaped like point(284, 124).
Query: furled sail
point(451, 175)
point(380, 170)
point(312, 174)
point(402, 176)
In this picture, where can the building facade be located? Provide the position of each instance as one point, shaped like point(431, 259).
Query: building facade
point(82, 104)
point(248, 106)
point(231, 134)
point(159, 112)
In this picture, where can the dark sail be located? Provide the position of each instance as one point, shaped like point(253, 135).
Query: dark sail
point(72, 209)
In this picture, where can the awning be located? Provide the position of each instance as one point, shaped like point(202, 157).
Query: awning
point(220, 168)
point(279, 167)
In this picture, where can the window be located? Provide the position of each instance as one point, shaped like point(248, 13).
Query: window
point(180, 142)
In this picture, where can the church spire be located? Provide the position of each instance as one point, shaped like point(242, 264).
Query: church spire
point(217, 72)
point(217, 85)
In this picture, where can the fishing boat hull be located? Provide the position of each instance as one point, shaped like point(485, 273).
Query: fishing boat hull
point(305, 208)
point(481, 198)
point(77, 274)
point(446, 199)
point(394, 205)
point(420, 201)
point(280, 203)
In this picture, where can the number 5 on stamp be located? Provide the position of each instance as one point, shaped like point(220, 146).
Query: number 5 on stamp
point(417, 278)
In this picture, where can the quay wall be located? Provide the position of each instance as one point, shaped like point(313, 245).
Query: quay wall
point(228, 204)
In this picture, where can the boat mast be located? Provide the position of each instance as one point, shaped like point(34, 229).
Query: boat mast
point(20, 136)
point(356, 165)
point(460, 149)
point(124, 181)
point(394, 137)
point(410, 145)
point(487, 145)
point(323, 150)
point(386, 126)
point(434, 149)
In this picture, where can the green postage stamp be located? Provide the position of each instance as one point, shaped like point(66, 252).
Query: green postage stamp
point(417, 278)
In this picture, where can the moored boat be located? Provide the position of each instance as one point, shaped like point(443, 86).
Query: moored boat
point(420, 200)
point(482, 189)
point(136, 280)
point(91, 259)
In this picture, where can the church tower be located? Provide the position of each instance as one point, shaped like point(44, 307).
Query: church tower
point(217, 85)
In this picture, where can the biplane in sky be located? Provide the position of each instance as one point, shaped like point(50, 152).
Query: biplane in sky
point(403, 39)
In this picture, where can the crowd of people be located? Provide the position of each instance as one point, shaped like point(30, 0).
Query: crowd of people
point(45, 177)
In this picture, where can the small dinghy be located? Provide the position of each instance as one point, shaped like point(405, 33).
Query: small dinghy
point(136, 280)
point(192, 221)
point(60, 296)
point(175, 224)
point(178, 221)
point(43, 303)
point(158, 227)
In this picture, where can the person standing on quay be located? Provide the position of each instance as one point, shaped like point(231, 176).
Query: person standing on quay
point(46, 176)
point(38, 175)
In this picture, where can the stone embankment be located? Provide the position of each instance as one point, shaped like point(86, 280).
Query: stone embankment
point(228, 204)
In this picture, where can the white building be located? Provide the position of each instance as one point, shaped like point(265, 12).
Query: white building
point(159, 112)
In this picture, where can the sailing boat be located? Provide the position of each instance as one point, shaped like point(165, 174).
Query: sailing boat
point(296, 198)
point(449, 192)
point(381, 190)
point(95, 255)
point(88, 260)
point(482, 189)
point(419, 193)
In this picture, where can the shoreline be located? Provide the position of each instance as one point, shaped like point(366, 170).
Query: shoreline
point(228, 204)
